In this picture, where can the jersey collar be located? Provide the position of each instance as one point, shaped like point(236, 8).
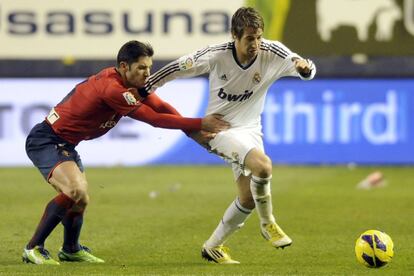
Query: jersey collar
point(237, 61)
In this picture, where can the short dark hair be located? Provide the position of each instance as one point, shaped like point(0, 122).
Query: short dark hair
point(131, 51)
point(243, 18)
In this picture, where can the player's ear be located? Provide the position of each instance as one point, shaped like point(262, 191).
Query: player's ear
point(123, 66)
point(233, 35)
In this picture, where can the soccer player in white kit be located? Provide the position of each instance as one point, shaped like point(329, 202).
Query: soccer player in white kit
point(240, 73)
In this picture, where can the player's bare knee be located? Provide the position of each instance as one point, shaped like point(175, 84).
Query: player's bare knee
point(78, 191)
point(75, 194)
point(83, 201)
point(263, 167)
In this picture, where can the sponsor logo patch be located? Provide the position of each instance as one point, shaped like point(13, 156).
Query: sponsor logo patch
point(53, 116)
point(186, 63)
point(130, 98)
point(109, 124)
point(223, 77)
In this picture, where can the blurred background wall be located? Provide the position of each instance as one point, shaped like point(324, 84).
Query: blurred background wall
point(357, 110)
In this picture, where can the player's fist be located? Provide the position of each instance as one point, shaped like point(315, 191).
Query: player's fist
point(214, 123)
point(304, 66)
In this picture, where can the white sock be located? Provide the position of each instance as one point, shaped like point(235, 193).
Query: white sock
point(233, 219)
point(260, 188)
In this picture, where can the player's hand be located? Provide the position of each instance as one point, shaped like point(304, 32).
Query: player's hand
point(202, 137)
point(304, 66)
point(214, 123)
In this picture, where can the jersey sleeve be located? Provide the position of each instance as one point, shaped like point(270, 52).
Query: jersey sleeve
point(158, 105)
point(195, 64)
point(285, 57)
point(146, 114)
point(121, 99)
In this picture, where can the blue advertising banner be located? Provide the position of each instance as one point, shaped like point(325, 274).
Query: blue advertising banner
point(315, 122)
point(328, 122)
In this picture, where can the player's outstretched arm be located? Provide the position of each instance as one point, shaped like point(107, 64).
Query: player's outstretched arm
point(211, 123)
point(147, 115)
point(160, 106)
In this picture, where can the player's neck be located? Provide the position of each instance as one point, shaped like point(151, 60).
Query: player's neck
point(124, 80)
point(244, 59)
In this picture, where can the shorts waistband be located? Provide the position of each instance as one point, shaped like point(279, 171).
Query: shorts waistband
point(46, 124)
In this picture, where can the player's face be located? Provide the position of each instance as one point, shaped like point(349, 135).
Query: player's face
point(138, 72)
point(248, 46)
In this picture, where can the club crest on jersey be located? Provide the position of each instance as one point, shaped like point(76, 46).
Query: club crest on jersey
point(186, 63)
point(223, 77)
point(130, 98)
point(235, 157)
point(257, 78)
point(65, 153)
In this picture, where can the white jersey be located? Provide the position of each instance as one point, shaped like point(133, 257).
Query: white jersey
point(237, 92)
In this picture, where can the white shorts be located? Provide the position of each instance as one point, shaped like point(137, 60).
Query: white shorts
point(234, 144)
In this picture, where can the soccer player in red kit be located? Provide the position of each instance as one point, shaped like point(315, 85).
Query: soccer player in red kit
point(90, 110)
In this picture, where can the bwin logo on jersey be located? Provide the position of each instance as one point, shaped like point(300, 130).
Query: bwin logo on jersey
point(234, 97)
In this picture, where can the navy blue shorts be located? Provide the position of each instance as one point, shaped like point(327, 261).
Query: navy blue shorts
point(47, 150)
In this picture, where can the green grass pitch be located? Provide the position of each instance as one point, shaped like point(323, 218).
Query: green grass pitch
point(153, 221)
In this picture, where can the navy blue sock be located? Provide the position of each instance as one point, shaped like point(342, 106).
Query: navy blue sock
point(53, 214)
point(72, 222)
